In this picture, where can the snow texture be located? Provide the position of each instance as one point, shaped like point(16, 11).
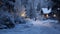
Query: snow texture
point(34, 27)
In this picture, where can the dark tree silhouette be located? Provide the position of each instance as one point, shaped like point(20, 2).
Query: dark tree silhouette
point(6, 18)
point(56, 8)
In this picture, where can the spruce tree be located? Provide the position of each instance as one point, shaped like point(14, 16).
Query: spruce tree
point(6, 9)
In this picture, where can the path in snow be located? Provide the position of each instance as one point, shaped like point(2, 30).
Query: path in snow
point(38, 27)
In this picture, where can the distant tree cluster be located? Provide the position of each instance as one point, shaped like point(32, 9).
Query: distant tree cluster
point(56, 8)
point(8, 13)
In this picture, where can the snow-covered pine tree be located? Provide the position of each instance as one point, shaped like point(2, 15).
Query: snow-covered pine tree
point(6, 16)
point(31, 9)
point(19, 6)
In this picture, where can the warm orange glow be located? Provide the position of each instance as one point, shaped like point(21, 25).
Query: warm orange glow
point(47, 15)
point(23, 14)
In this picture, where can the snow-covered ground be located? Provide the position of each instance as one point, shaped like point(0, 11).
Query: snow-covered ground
point(32, 27)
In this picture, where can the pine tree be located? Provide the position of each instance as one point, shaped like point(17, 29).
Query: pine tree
point(6, 7)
